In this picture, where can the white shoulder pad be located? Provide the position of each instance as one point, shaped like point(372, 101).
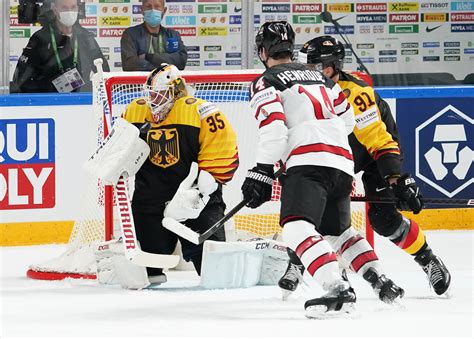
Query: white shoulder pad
point(207, 108)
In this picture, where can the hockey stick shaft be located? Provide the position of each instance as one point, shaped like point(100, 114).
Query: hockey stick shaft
point(428, 201)
point(132, 251)
point(213, 229)
point(195, 237)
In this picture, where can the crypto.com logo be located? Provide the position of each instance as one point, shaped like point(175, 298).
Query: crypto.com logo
point(445, 144)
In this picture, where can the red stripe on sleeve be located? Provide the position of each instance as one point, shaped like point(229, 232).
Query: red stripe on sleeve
point(257, 111)
point(271, 118)
point(340, 99)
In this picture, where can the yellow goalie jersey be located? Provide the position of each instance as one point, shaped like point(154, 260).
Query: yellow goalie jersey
point(193, 131)
point(375, 136)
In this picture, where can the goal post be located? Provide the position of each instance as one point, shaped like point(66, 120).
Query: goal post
point(229, 90)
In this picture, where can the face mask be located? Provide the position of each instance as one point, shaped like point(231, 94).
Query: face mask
point(68, 18)
point(152, 17)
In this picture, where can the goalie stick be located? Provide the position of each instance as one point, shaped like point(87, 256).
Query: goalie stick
point(132, 252)
point(197, 238)
point(428, 201)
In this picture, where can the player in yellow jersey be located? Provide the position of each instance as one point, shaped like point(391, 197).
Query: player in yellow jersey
point(180, 130)
point(376, 151)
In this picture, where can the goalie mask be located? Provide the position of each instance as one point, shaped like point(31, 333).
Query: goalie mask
point(163, 87)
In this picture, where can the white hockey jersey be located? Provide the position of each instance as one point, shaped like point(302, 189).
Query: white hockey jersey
point(304, 118)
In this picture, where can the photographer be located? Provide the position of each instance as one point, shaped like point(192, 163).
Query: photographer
point(60, 56)
point(146, 46)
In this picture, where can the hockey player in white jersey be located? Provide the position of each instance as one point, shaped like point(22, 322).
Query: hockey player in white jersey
point(304, 119)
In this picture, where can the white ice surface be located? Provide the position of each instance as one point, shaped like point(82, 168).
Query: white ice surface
point(180, 308)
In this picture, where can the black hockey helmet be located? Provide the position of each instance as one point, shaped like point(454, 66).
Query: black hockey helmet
point(323, 51)
point(276, 37)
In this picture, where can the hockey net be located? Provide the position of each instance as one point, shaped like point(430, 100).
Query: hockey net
point(97, 218)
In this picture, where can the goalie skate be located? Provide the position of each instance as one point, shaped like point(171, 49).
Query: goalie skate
point(383, 287)
point(338, 301)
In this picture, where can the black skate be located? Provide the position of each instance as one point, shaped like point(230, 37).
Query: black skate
point(339, 300)
point(156, 277)
point(437, 273)
point(291, 279)
point(383, 287)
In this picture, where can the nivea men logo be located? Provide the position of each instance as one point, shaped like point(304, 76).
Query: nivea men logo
point(371, 18)
point(462, 28)
point(276, 8)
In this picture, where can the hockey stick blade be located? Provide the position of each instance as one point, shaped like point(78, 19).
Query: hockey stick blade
point(194, 237)
point(427, 201)
point(182, 230)
point(146, 259)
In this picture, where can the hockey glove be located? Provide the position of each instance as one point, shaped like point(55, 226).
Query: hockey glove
point(257, 186)
point(408, 194)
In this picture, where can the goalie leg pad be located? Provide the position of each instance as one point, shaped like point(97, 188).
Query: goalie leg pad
point(114, 269)
point(242, 264)
point(122, 152)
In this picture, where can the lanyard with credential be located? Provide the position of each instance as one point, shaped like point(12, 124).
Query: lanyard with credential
point(56, 54)
point(151, 48)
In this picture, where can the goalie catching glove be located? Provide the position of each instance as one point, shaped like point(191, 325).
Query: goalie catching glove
point(191, 197)
point(121, 153)
point(257, 187)
point(408, 194)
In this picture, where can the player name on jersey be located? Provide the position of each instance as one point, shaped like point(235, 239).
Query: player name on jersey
point(299, 75)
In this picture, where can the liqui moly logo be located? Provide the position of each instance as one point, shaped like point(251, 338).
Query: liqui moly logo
point(27, 164)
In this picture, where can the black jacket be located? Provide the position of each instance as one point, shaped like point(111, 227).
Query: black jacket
point(136, 42)
point(37, 66)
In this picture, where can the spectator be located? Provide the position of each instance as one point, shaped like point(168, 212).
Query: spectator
point(60, 56)
point(148, 45)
